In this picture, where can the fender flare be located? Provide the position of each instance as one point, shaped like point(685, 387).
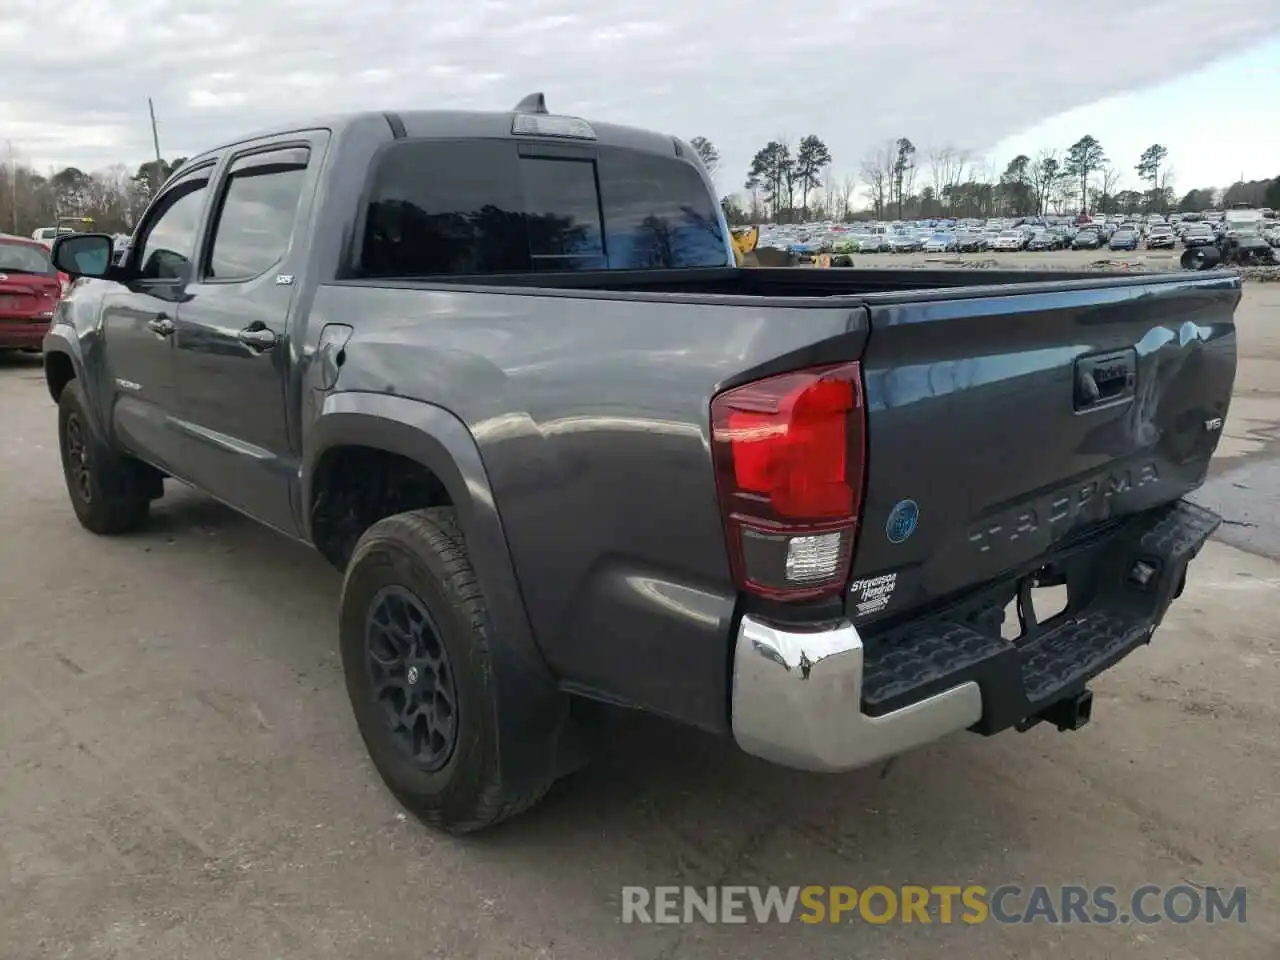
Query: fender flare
point(531, 710)
point(56, 341)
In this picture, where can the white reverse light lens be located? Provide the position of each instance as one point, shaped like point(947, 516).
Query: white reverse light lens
point(813, 558)
point(545, 125)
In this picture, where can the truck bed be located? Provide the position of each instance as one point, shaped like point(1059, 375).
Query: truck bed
point(789, 282)
point(589, 395)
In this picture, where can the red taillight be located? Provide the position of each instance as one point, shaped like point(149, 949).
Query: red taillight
point(789, 454)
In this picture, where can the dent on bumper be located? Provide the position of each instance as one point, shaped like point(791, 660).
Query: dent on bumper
point(797, 701)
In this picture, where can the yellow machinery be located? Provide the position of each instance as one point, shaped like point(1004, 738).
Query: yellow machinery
point(744, 244)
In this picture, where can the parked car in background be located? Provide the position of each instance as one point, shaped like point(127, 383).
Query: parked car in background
point(1043, 240)
point(1086, 239)
point(971, 242)
point(30, 289)
point(1198, 235)
point(941, 243)
point(1009, 240)
point(47, 235)
point(1160, 236)
point(1123, 239)
point(905, 243)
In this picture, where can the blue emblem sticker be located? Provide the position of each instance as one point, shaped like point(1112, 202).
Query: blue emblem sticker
point(902, 521)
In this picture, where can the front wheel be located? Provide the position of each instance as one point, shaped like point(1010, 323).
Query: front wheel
point(414, 638)
point(111, 493)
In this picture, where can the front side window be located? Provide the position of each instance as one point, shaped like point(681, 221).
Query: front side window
point(477, 207)
point(171, 241)
point(255, 223)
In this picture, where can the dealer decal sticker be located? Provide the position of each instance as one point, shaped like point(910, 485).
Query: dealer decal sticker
point(872, 595)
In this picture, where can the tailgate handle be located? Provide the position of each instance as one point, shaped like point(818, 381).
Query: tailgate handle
point(1105, 378)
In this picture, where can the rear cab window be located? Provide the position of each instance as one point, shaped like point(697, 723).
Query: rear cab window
point(17, 256)
point(450, 207)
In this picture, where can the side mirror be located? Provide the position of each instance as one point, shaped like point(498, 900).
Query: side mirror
point(83, 254)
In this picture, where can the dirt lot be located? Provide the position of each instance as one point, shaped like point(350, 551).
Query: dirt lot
point(1029, 259)
point(182, 777)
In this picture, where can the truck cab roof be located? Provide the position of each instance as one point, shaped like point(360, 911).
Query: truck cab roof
point(462, 124)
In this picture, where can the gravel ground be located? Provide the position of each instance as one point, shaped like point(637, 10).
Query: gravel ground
point(1086, 260)
point(182, 776)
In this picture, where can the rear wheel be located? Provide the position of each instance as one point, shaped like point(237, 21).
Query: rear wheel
point(111, 493)
point(415, 652)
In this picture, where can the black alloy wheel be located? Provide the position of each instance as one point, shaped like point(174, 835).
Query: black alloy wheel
point(78, 466)
point(411, 678)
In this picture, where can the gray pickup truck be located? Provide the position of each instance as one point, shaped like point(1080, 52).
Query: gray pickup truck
point(502, 370)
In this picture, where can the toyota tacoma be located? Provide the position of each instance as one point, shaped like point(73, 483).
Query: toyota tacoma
point(501, 370)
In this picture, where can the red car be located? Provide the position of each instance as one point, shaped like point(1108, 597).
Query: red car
point(29, 290)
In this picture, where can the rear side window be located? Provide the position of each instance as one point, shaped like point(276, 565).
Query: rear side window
point(477, 207)
point(255, 223)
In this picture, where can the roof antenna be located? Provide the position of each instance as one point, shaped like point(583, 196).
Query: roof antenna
point(533, 103)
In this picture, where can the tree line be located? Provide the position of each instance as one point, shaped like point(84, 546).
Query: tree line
point(903, 182)
point(782, 185)
point(114, 198)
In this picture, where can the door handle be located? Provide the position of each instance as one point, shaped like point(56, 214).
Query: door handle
point(257, 338)
point(160, 325)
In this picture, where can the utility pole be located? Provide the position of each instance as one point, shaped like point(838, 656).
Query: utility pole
point(155, 139)
point(13, 185)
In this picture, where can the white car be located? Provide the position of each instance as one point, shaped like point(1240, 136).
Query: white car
point(47, 235)
point(1008, 240)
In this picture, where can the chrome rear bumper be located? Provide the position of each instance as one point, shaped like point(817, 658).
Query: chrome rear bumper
point(797, 701)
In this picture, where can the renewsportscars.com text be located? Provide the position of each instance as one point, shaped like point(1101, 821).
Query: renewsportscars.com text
point(944, 904)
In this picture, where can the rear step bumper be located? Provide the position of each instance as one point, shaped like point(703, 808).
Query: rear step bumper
point(830, 700)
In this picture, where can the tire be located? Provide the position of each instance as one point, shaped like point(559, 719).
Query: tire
point(413, 569)
point(1200, 258)
point(111, 493)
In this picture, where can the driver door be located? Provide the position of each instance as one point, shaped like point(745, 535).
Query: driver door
point(139, 319)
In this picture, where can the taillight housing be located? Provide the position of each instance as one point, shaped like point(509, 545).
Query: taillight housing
point(789, 453)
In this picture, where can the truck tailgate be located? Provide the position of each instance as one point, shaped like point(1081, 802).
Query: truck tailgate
point(1000, 424)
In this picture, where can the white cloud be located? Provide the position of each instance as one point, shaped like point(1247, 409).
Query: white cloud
point(856, 73)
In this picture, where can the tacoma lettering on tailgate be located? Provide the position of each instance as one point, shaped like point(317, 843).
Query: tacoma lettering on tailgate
point(1064, 508)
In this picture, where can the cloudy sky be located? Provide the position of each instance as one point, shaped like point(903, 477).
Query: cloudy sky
point(992, 76)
